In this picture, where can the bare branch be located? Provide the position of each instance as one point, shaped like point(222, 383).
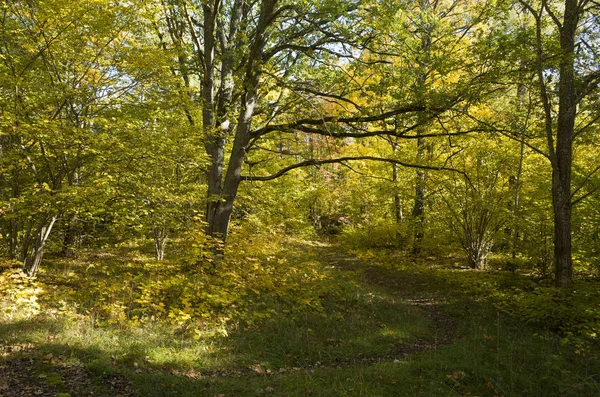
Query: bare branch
point(311, 162)
point(348, 120)
point(587, 177)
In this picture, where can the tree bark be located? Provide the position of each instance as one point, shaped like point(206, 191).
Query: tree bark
point(418, 213)
point(560, 144)
point(217, 128)
point(215, 145)
point(561, 170)
point(160, 241)
point(219, 225)
point(69, 241)
point(398, 214)
point(522, 128)
point(32, 256)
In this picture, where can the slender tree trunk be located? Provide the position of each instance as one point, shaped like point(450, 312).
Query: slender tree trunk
point(70, 239)
point(521, 90)
point(516, 202)
point(561, 172)
point(160, 241)
point(15, 189)
point(215, 145)
point(73, 232)
point(14, 239)
point(522, 128)
point(34, 254)
point(418, 213)
point(398, 213)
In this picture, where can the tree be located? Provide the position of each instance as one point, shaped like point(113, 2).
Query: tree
point(58, 82)
point(563, 50)
point(305, 38)
point(477, 205)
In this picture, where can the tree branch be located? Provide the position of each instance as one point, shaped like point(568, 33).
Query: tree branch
point(587, 177)
point(310, 162)
point(348, 120)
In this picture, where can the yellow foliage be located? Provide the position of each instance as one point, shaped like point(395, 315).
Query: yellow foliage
point(19, 294)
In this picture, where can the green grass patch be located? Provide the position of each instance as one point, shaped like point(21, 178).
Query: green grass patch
point(299, 320)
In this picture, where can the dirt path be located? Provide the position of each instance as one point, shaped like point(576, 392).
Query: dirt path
point(407, 288)
point(395, 283)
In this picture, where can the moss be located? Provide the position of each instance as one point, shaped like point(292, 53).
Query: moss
point(54, 379)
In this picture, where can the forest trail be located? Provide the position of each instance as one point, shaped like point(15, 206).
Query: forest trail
point(408, 288)
point(402, 286)
point(329, 323)
point(31, 374)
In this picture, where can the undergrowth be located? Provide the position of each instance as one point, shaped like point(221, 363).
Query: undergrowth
point(287, 317)
point(191, 291)
point(573, 312)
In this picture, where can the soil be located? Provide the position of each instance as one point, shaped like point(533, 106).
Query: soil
point(25, 374)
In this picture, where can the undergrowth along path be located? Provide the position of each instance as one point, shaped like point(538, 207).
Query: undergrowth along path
point(404, 286)
point(408, 288)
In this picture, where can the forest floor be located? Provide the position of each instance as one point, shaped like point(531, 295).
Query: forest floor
point(392, 327)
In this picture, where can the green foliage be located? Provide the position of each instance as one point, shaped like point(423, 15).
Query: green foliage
point(382, 234)
point(195, 292)
point(368, 314)
point(574, 312)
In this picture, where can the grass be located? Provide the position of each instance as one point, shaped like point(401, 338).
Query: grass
point(494, 357)
point(318, 324)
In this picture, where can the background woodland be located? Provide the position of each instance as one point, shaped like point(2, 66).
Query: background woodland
point(187, 161)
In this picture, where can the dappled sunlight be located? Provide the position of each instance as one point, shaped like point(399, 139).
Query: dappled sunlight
point(325, 317)
point(299, 198)
point(331, 322)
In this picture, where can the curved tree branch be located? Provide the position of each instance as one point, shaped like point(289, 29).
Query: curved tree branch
point(311, 162)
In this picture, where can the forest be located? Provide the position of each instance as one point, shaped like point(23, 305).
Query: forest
point(299, 198)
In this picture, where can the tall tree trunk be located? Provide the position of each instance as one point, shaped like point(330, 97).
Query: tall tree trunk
point(418, 213)
point(15, 184)
point(516, 200)
point(561, 170)
point(398, 213)
point(217, 129)
point(522, 128)
point(562, 230)
point(521, 91)
point(215, 145)
point(560, 145)
point(219, 225)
